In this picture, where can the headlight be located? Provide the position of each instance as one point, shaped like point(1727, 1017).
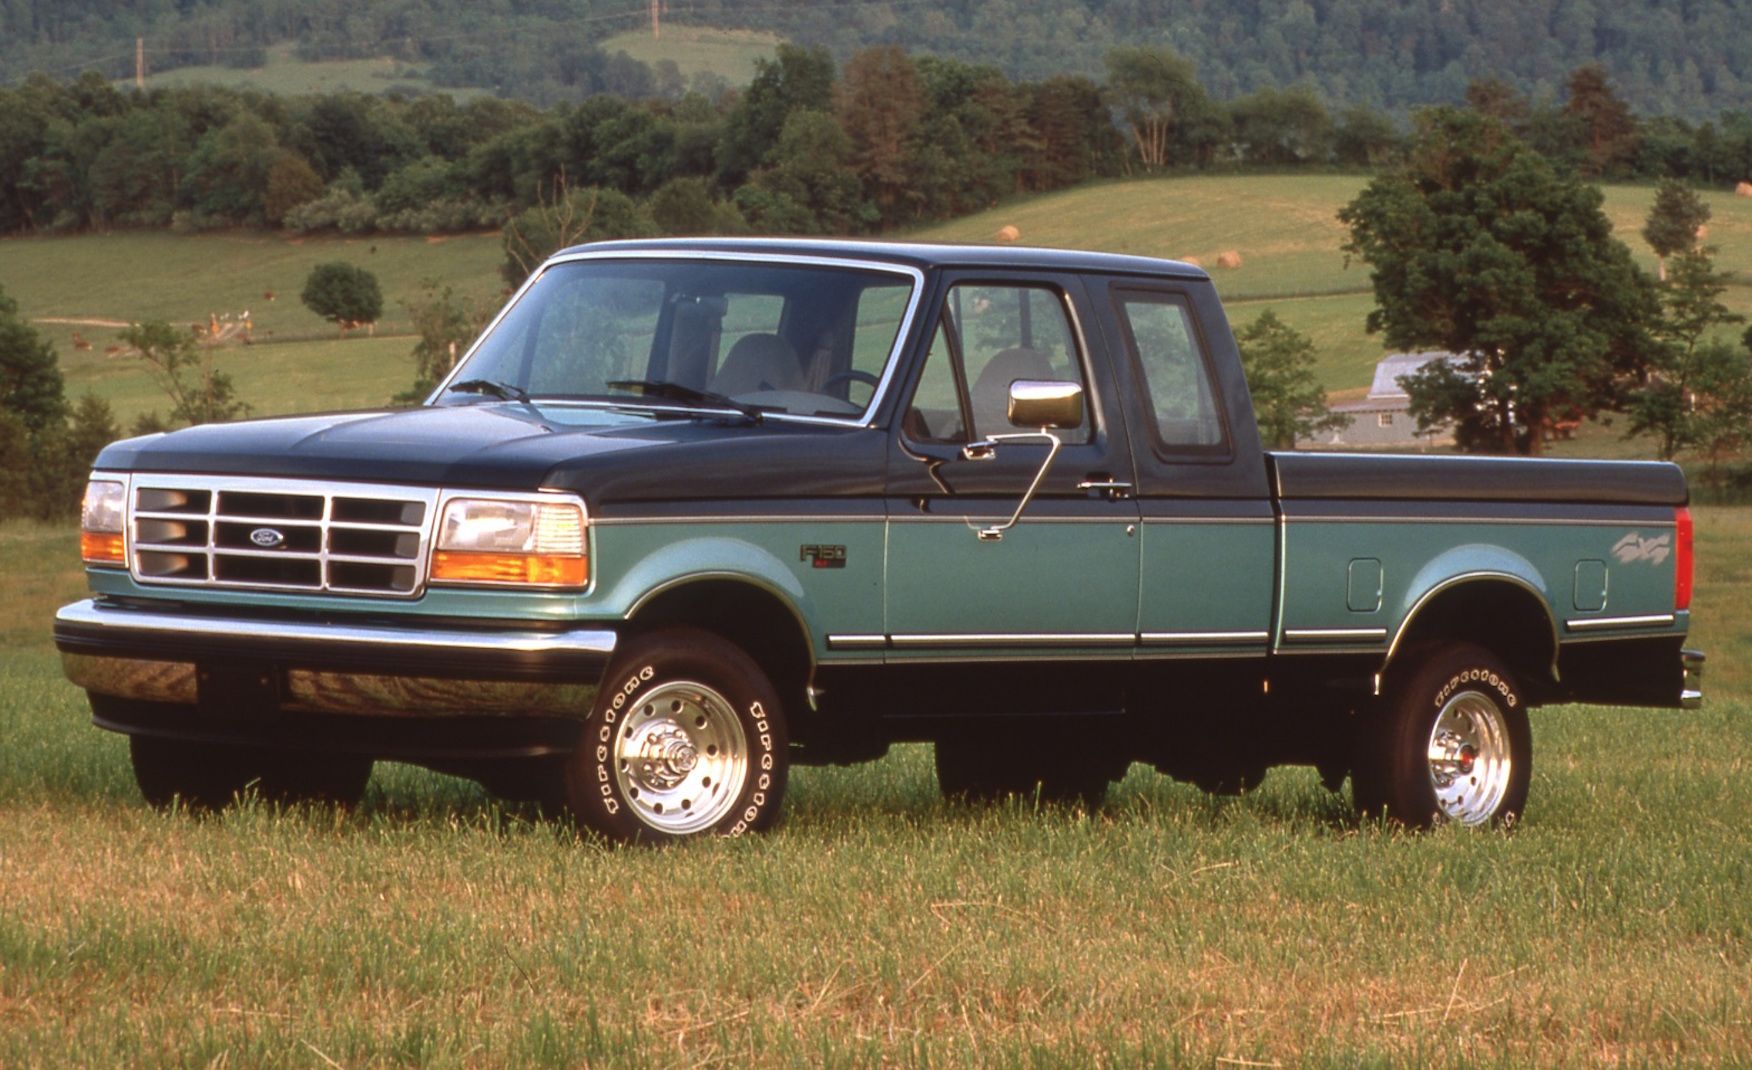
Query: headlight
point(101, 520)
point(500, 541)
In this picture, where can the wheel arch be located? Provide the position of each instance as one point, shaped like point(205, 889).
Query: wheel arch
point(742, 610)
point(1502, 611)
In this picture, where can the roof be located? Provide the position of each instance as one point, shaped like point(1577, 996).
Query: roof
point(1389, 371)
point(915, 254)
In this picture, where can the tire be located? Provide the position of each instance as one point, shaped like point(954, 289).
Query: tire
point(979, 769)
point(208, 776)
point(1451, 743)
point(686, 739)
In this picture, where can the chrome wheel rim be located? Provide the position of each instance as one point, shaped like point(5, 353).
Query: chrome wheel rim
point(1469, 758)
point(681, 758)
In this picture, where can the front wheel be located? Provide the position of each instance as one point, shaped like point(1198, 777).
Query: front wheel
point(687, 738)
point(208, 776)
point(1451, 743)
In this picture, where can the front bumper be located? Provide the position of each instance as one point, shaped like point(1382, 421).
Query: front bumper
point(225, 674)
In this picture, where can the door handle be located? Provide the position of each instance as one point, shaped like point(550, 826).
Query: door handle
point(1112, 489)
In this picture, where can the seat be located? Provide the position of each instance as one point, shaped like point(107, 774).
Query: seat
point(758, 362)
point(991, 390)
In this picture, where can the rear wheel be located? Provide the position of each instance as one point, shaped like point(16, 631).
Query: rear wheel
point(1452, 743)
point(686, 739)
point(983, 768)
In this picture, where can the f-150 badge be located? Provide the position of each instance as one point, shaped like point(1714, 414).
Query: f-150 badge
point(1633, 548)
point(823, 556)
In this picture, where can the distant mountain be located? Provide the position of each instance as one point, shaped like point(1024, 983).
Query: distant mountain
point(1690, 58)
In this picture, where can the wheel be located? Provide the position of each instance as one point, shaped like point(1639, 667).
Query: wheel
point(975, 768)
point(207, 776)
point(1451, 743)
point(848, 378)
point(314, 777)
point(687, 738)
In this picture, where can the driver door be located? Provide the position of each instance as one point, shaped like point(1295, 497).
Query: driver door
point(1062, 583)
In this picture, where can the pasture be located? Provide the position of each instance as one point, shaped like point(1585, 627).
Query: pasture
point(284, 73)
point(1284, 226)
point(880, 925)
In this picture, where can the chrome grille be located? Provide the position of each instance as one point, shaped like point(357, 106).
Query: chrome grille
point(283, 535)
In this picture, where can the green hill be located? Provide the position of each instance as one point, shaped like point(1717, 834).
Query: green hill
point(1285, 229)
point(1283, 226)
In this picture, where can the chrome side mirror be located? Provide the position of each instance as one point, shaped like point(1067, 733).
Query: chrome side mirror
point(1042, 403)
point(1045, 403)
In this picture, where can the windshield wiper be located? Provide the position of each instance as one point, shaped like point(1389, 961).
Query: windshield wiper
point(502, 391)
point(663, 388)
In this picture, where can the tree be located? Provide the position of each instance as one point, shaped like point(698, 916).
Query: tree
point(31, 389)
point(1674, 220)
point(291, 182)
point(1608, 127)
point(199, 393)
point(446, 325)
point(1287, 398)
point(1479, 247)
point(568, 218)
point(795, 79)
point(343, 294)
point(1152, 89)
point(880, 104)
point(1690, 376)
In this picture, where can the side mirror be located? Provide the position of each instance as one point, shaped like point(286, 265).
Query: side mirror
point(1045, 403)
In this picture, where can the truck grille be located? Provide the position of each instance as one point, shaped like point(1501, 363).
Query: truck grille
point(285, 535)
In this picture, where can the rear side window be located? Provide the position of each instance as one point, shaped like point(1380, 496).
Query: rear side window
point(1159, 332)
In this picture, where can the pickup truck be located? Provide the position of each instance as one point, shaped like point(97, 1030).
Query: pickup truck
point(690, 512)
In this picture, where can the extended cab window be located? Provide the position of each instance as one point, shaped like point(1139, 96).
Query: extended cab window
point(987, 337)
point(1159, 332)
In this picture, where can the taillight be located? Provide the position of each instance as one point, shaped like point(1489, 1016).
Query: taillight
point(1682, 562)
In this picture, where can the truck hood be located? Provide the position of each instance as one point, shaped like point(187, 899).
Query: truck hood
point(510, 446)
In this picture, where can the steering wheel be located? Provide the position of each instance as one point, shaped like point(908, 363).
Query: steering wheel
point(852, 376)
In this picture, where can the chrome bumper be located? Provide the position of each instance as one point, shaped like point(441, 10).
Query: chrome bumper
point(1691, 693)
point(332, 667)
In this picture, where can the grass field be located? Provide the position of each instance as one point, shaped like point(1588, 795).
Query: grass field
point(730, 54)
point(284, 73)
point(1284, 226)
point(1287, 231)
point(185, 279)
point(879, 925)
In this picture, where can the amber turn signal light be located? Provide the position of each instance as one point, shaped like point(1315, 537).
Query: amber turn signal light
point(544, 570)
point(100, 548)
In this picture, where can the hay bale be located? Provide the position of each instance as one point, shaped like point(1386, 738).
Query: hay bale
point(1228, 258)
point(1192, 261)
point(1744, 189)
point(1009, 232)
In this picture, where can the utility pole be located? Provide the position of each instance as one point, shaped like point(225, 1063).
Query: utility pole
point(656, 26)
point(140, 63)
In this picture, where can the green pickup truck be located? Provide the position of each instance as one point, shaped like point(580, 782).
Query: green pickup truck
point(690, 512)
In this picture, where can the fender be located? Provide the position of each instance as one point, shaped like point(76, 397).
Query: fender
point(713, 557)
point(1472, 563)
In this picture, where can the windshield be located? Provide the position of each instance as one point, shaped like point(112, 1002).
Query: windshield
point(785, 338)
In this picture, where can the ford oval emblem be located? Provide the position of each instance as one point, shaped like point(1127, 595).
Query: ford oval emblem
point(266, 538)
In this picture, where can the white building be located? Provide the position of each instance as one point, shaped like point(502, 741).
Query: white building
point(1383, 420)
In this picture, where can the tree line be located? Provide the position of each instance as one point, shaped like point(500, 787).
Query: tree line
point(885, 140)
point(1687, 58)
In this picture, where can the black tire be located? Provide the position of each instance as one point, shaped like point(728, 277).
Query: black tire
point(205, 776)
point(1461, 701)
point(208, 776)
point(980, 769)
point(687, 739)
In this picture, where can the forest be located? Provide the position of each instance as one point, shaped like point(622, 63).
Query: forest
point(811, 146)
point(1684, 58)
